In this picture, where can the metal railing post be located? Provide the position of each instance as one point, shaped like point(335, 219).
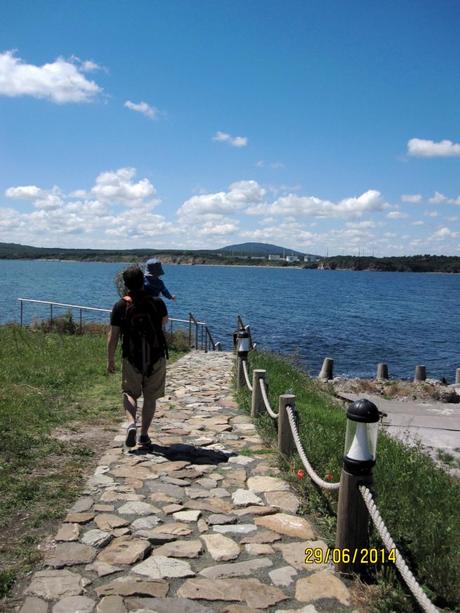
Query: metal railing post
point(22, 312)
point(257, 402)
point(189, 329)
point(286, 445)
point(81, 322)
point(51, 314)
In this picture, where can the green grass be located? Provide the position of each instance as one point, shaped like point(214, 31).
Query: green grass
point(418, 501)
point(52, 388)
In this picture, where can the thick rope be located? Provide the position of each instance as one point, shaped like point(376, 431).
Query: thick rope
point(246, 375)
point(308, 467)
point(389, 543)
point(263, 391)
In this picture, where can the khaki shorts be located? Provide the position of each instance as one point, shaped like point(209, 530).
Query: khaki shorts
point(135, 383)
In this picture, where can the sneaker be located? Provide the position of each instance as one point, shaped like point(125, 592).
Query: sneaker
point(131, 435)
point(145, 440)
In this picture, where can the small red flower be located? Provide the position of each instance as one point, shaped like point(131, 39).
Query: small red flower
point(300, 474)
point(329, 476)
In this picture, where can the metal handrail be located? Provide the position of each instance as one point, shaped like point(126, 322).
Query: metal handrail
point(205, 332)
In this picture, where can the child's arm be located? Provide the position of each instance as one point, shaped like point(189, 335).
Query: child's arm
point(164, 290)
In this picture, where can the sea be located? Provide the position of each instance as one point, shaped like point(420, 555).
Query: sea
point(357, 318)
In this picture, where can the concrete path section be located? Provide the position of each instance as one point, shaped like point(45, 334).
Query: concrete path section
point(435, 424)
point(175, 531)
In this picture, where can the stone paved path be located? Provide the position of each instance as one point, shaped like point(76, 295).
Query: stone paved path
point(151, 534)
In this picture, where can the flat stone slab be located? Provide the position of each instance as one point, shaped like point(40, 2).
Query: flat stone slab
point(96, 538)
point(82, 504)
point(166, 605)
point(162, 567)
point(267, 484)
point(310, 608)
point(109, 521)
point(124, 550)
point(133, 586)
point(221, 548)
point(290, 525)
point(256, 549)
point(179, 549)
point(79, 518)
point(221, 519)
point(138, 508)
point(283, 577)
point(75, 604)
point(323, 584)
point(68, 533)
point(252, 591)
point(213, 505)
point(55, 584)
point(34, 605)
point(262, 536)
point(235, 529)
point(286, 501)
point(69, 554)
point(102, 569)
point(244, 498)
point(111, 604)
point(235, 569)
point(191, 515)
point(172, 530)
point(294, 554)
point(145, 523)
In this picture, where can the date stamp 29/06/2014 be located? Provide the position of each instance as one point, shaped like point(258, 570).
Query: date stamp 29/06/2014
point(318, 555)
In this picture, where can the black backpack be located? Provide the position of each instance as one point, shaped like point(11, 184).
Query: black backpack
point(144, 343)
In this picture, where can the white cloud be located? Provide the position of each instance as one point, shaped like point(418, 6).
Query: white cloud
point(93, 215)
point(118, 187)
point(316, 207)
point(413, 198)
point(445, 233)
point(234, 141)
point(239, 196)
point(142, 107)
point(437, 198)
point(418, 147)
point(23, 192)
point(431, 214)
point(273, 165)
point(61, 81)
point(418, 223)
point(396, 215)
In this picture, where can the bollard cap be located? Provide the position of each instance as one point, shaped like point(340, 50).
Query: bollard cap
point(363, 411)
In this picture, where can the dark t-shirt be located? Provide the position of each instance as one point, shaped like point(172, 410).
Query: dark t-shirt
point(118, 316)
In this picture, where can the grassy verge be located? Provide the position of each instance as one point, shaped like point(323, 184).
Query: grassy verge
point(58, 412)
point(418, 501)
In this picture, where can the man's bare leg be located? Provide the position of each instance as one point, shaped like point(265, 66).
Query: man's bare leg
point(130, 407)
point(148, 411)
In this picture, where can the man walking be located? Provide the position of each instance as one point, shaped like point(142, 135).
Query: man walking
point(139, 320)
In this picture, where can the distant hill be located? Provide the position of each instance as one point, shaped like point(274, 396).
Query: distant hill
point(258, 249)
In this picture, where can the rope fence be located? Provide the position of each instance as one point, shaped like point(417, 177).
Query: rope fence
point(356, 504)
point(409, 579)
point(263, 391)
point(246, 375)
point(303, 456)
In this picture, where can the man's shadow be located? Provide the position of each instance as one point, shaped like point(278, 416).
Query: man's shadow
point(188, 453)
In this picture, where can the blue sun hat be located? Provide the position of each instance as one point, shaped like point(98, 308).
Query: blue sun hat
point(153, 268)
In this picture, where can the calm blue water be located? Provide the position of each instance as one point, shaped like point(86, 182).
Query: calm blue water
point(358, 318)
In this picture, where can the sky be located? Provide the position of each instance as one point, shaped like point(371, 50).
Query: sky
point(326, 126)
